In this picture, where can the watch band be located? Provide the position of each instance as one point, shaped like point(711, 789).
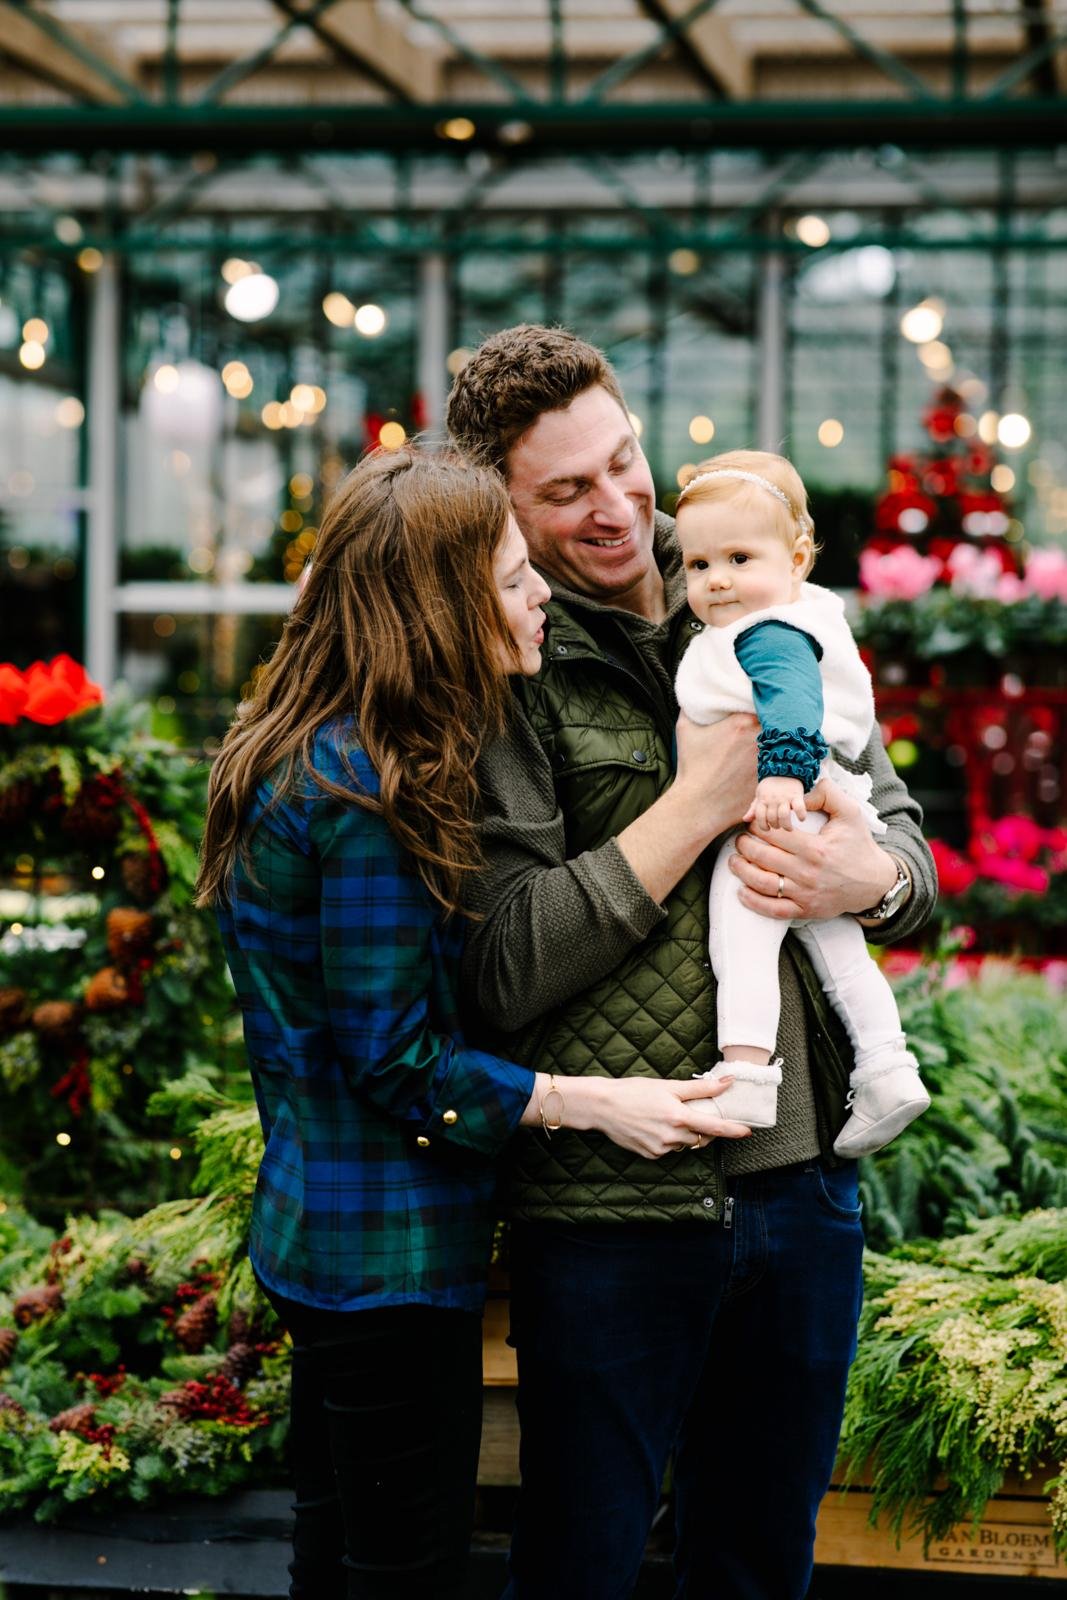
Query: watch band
point(893, 898)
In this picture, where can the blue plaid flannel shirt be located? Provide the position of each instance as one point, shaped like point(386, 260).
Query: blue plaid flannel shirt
point(381, 1124)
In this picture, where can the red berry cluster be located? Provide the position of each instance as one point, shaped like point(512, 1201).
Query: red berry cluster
point(214, 1400)
point(81, 1420)
point(75, 1084)
point(107, 1384)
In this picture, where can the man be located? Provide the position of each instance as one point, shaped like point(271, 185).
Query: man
point(703, 1306)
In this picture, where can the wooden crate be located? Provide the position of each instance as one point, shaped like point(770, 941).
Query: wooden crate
point(1013, 1539)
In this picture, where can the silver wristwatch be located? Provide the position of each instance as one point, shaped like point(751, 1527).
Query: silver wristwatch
point(893, 898)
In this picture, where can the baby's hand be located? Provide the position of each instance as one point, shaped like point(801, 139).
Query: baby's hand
point(777, 802)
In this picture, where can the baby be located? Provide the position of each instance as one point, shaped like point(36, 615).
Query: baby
point(781, 646)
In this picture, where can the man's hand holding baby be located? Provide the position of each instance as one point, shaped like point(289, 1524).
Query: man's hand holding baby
point(792, 873)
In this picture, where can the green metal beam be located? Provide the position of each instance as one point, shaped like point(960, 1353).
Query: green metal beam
point(178, 201)
point(882, 59)
point(682, 42)
point(1021, 69)
point(794, 170)
point(47, 24)
point(557, 61)
point(475, 58)
point(238, 71)
point(171, 58)
point(669, 32)
point(310, 17)
point(925, 124)
point(959, 47)
point(414, 241)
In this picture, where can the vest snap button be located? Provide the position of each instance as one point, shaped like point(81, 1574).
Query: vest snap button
point(640, 756)
point(708, 1202)
point(561, 649)
point(695, 626)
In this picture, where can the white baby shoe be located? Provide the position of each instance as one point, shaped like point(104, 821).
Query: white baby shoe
point(752, 1098)
point(885, 1095)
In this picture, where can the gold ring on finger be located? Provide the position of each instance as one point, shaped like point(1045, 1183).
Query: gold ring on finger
point(781, 886)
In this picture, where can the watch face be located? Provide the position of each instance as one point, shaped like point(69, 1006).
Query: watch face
point(894, 896)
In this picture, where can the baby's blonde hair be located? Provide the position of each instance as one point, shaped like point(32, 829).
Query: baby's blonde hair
point(793, 519)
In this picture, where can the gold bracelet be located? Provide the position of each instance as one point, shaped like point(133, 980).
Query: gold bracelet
point(552, 1127)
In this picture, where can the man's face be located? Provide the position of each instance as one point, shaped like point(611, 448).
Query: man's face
point(583, 496)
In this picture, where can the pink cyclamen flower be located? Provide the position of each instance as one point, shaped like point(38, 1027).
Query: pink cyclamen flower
point(1046, 574)
point(1011, 588)
point(974, 572)
point(901, 574)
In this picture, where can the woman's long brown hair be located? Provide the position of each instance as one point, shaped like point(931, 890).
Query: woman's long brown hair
point(398, 625)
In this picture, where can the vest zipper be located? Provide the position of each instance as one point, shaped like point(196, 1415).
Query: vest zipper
point(728, 1212)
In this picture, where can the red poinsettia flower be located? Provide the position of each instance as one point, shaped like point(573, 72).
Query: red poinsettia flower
point(13, 694)
point(1016, 836)
point(941, 477)
point(955, 873)
point(57, 689)
point(894, 506)
point(1014, 874)
point(940, 423)
point(978, 461)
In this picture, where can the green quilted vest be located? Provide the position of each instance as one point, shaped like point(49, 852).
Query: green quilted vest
point(608, 730)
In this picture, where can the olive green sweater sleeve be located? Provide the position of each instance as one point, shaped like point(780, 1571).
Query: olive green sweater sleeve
point(549, 926)
point(903, 819)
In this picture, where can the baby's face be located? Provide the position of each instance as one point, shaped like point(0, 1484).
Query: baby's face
point(736, 561)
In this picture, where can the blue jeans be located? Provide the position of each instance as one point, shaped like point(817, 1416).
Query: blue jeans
point(726, 1345)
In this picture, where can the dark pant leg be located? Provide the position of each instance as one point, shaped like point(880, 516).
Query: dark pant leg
point(386, 1427)
point(611, 1323)
point(758, 1447)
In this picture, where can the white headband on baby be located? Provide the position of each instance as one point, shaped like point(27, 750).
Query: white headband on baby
point(803, 523)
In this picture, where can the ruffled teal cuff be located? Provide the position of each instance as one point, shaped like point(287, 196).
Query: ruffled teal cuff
point(791, 753)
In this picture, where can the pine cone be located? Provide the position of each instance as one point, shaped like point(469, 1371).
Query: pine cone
point(195, 1326)
point(12, 1009)
point(107, 990)
point(93, 816)
point(144, 877)
point(11, 1406)
point(37, 1304)
point(244, 1326)
point(57, 1021)
point(15, 802)
point(241, 1363)
point(129, 934)
point(75, 1419)
point(8, 1341)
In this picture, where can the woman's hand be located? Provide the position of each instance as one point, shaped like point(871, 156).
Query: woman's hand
point(650, 1116)
point(656, 1116)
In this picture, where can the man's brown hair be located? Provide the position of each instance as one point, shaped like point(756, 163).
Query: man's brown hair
point(513, 378)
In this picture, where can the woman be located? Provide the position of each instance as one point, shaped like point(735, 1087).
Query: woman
point(342, 823)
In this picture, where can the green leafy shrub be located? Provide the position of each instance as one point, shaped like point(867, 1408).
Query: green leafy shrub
point(141, 1360)
point(993, 1050)
point(961, 1374)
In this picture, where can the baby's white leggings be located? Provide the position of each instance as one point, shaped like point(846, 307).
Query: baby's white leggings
point(744, 951)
